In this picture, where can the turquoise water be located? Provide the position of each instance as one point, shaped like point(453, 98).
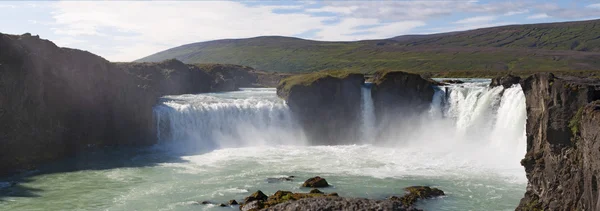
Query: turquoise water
point(165, 181)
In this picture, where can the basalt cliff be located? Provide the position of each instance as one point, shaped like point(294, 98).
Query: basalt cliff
point(328, 104)
point(563, 143)
point(54, 101)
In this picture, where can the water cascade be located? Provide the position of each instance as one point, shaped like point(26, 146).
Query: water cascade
point(251, 117)
point(222, 146)
point(368, 114)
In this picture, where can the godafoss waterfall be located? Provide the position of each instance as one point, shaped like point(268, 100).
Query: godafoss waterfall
point(222, 146)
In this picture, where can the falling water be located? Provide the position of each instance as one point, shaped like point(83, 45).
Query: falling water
point(251, 117)
point(368, 112)
point(469, 144)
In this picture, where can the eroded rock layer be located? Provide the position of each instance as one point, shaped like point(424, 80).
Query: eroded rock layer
point(562, 157)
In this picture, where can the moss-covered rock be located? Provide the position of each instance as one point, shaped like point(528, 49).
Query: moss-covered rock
point(415, 193)
point(256, 196)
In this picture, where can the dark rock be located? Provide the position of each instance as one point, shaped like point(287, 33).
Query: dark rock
point(506, 81)
point(233, 202)
point(55, 102)
point(252, 206)
point(333, 194)
point(325, 105)
point(415, 193)
point(398, 96)
point(338, 203)
point(314, 190)
point(222, 205)
point(315, 182)
point(258, 195)
point(561, 162)
point(452, 81)
point(205, 202)
point(280, 179)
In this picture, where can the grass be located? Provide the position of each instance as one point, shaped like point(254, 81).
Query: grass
point(485, 52)
point(307, 79)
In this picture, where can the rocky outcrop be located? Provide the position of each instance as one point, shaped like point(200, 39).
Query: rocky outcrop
point(562, 157)
point(506, 81)
point(338, 203)
point(54, 101)
point(398, 96)
point(415, 193)
point(326, 105)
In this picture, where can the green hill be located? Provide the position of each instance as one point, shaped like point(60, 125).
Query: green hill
point(564, 46)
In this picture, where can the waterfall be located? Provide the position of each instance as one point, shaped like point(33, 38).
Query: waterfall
point(469, 116)
point(368, 114)
point(251, 117)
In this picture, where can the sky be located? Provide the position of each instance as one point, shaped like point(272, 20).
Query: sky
point(129, 30)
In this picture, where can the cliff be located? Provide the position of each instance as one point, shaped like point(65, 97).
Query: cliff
point(562, 157)
point(54, 101)
point(327, 104)
point(398, 96)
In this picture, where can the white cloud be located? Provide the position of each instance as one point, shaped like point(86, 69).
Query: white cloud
point(155, 26)
point(594, 6)
point(516, 12)
point(538, 16)
point(338, 10)
point(8, 6)
point(478, 19)
point(137, 29)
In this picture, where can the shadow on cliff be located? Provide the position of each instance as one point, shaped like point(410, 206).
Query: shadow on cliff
point(99, 159)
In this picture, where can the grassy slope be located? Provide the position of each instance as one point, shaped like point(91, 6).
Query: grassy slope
point(525, 48)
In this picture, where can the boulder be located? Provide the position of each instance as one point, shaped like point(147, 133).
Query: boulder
point(315, 182)
point(506, 81)
point(252, 206)
point(232, 202)
point(256, 196)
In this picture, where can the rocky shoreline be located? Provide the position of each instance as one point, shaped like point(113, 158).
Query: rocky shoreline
point(316, 200)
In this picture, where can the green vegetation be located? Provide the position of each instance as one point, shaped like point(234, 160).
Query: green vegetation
point(307, 79)
point(575, 122)
point(476, 53)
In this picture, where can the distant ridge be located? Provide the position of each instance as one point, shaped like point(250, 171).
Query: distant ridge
point(531, 47)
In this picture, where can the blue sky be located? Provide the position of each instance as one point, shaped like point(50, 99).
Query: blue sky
point(125, 31)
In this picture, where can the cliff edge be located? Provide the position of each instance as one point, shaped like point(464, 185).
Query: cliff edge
point(562, 157)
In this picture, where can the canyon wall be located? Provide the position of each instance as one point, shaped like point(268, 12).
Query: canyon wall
point(55, 102)
point(562, 160)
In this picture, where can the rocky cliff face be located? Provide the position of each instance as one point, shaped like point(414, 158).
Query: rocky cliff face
point(328, 108)
point(400, 95)
point(56, 101)
point(506, 81)
point(562, 157)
